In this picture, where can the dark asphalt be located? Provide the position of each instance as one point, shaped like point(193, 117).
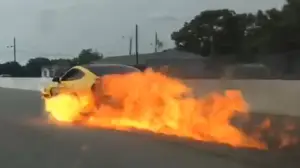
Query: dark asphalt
point(27, 141)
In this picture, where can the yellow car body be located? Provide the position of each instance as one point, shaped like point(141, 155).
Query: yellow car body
point(83, 78)
point(59, 84)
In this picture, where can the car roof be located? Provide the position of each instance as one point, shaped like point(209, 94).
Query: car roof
point(109, 69)
point(87, 66)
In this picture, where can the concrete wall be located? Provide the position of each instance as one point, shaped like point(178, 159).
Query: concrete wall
point(266, 96)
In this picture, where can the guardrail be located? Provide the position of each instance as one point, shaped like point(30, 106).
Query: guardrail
point(265, 96)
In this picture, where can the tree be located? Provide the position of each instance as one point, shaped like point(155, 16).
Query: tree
point(244, 35)
point(218, 29)
point(34, 65)
point(12, 68)
point(87, 56)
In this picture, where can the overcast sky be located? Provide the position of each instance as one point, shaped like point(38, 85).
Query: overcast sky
point(61, 28)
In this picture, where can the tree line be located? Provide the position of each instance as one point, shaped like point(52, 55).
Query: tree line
point(244, 35)
point(33, 67)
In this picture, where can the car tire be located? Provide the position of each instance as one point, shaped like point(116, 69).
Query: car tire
point(52, 92)
point(83, 115)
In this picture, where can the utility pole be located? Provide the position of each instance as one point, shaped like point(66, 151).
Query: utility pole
point(130, 45)
point(155, 43)
point(14, 47)
point(15, 57)
point(136, 45)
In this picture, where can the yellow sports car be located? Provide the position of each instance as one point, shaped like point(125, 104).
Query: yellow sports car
point(84, 78)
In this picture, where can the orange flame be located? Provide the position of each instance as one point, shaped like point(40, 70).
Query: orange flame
point(154, 102)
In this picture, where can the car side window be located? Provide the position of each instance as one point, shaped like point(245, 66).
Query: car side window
point(73, 74)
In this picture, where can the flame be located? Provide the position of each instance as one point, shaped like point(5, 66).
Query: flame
point(154, 102)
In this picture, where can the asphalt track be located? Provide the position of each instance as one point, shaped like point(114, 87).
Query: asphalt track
point(28, 141)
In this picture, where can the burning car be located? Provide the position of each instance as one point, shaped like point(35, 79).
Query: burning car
point(122, 97)
point(86, 79)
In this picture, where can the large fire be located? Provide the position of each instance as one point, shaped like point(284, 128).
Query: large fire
point(154, 102)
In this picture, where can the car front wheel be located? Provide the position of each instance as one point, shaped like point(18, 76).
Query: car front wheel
point(54, 91)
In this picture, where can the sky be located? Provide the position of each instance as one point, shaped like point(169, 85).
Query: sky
point(62, 28)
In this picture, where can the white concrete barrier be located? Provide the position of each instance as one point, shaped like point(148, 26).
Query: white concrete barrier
point(266, 96)
point(35, 84)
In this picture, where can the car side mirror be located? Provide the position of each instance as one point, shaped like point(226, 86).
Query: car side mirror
point(56, 79)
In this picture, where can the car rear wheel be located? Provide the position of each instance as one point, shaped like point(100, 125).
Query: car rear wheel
point(96, 93)
point(100, 98)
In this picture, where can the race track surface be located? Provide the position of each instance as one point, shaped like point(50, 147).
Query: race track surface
point(28, 141)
